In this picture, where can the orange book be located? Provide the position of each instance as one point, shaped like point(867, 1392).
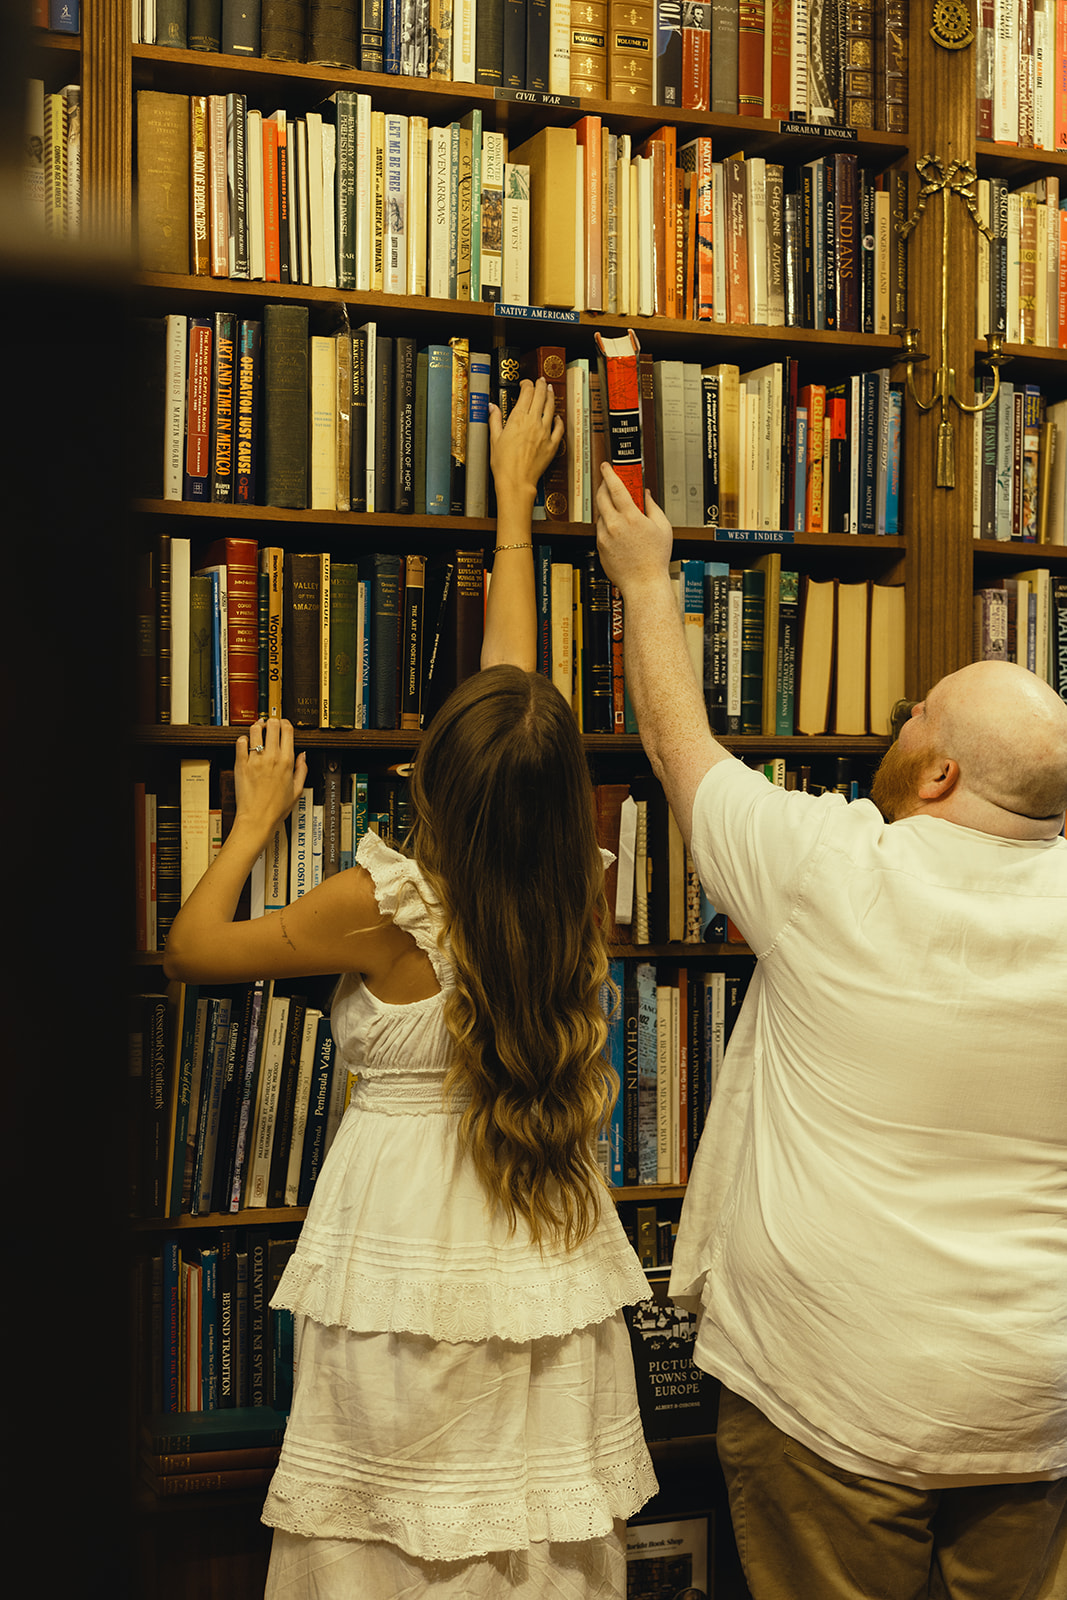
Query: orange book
point(271, 253)
point(813, 397)
point(662, 146)
point(587, 132)
point(697, 157)
point(1061, 321)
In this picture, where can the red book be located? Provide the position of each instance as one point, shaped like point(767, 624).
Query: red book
point(241, 560)
point(621, 398)
point(750, 26)
point(780, 23)
point(549, 361)
point(197, 477)
point(587, 132)
point(272, 259)
point(697, 157)
point(813, 399)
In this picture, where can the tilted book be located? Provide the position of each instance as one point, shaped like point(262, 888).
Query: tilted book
point(620, 394)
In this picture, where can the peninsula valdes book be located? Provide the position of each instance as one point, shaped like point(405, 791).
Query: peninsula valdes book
point(619, 388)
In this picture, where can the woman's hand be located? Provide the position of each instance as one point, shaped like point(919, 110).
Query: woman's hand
point(268, 779)
point(521, 448)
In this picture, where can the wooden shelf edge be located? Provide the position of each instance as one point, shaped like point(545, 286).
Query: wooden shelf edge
point(1024, 551)
point(257, 1217)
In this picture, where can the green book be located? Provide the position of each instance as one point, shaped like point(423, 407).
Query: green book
point(344, 598)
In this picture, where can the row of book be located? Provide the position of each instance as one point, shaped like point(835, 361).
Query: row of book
point(379, 642)
point(238, 1099)
point(1022, 266)
point(822, 61)
point(212, 1342)
point(52, 158)
point(247, 411)
point(350, 197)
point(179, 826)
point(1024, 619)
point(666, 1038)
point(1021, 72)
point(1020, 454)
point(199, 1452)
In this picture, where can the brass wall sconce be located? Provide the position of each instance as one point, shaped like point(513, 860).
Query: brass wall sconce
point(958, 178)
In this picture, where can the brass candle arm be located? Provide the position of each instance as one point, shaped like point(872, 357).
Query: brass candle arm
point(957, 178)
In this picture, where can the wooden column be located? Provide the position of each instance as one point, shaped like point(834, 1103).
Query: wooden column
point(107, 124)
point(937, 520)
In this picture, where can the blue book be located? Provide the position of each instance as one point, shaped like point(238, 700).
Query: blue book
point(646, 1073)
point(611, 1000)
point(892, 481)
point(439, 431)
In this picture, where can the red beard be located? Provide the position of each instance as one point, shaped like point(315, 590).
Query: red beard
point(896, 783)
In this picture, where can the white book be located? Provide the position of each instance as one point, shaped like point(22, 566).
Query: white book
point(329, 204)
point(1039, 580)
point(415, 217)
point(756, 238)
point(494, 159)
point(276, 871)
point(324, 638)
point(646, 297)
point(194, 805)
point(439, 210)
point(180, 572)
point(670, 439)
point(33, 164)
point(1041, 298)
point(300, 846)
point(635, 242)
point(174, 416)
point(73, 196)
point(363, 192)
point(257, 245)
point(515, 287)
point(610, 147)
point(1043, 56)
point(559, 47)
point(317, 825)
point(718, 233)
point(464, 40)
point(574, 448)
point(322, 443)
point(395, 271)
point(1012, 320)
point(882, 257)
point(1006, 72)
point(305, 1074)
point(1056, 419)
point(313, 137)
point(267, 1092)
point(562, 608)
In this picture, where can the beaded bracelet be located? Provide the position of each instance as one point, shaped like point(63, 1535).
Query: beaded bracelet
point(528, 545)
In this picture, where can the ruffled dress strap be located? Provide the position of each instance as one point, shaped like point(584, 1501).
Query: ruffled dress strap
point(403, 894)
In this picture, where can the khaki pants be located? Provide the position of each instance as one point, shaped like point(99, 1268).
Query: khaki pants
point(807, 1530)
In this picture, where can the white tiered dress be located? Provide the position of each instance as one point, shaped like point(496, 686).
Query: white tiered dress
point(464, 1419)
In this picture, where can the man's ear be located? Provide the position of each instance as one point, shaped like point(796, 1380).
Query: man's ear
point(940, 780)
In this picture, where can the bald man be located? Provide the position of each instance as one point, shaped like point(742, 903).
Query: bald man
point(874, 1235)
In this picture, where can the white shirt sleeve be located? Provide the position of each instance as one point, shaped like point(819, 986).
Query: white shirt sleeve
point(754, 844)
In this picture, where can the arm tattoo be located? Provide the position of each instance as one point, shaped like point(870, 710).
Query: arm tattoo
point(285, 936)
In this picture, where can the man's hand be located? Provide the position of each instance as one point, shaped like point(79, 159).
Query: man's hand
point(634, 547)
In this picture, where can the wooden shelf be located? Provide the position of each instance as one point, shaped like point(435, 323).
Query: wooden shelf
point(258, 1217)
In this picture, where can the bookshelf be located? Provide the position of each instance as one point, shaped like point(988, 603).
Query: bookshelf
point(936, 552)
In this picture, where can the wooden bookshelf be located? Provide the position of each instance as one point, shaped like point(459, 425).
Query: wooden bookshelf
point(935, 554)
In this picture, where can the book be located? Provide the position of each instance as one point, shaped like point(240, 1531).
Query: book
point(285, 405)
point(163, 171)
point(619, 385)
point(552, 157)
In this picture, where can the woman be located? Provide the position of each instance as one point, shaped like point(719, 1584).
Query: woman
point(464, 1419)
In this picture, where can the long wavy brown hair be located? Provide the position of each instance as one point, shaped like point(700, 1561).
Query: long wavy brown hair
point(504, 834)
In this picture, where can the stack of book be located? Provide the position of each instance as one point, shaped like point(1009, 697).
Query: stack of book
point(199, 1452)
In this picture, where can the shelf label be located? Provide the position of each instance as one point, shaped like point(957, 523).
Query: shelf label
point(535, 97)
point(535, 313)
point(820, 130)
point(752, 535)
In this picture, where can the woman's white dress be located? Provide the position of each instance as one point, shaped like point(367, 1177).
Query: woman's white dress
point(464, 1417)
